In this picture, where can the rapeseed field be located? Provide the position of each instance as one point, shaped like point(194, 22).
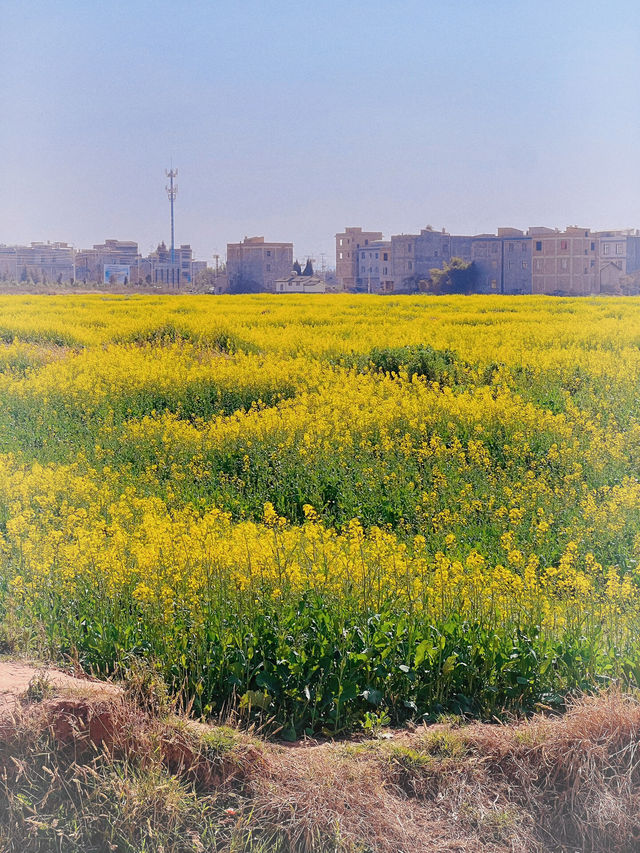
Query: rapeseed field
point(326, 511)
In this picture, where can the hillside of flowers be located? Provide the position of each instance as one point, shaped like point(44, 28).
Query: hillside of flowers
point(323, 511)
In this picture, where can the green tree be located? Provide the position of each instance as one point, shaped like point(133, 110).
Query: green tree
point(456, 276)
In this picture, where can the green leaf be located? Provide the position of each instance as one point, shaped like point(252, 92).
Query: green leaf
point(421, 652)
point(255, 699)
point(374, 697)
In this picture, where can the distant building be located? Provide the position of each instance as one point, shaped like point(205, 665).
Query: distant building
point(348, 242)
point(565, 263)
point(119, 262)
point(91, 264)
point(502, 262)
point(374, 270)
point(158, 269)
point(38, 262)
point(254, 266)
point(618, 256)
point(414, 255)
point(516, 261)
point(486, 255)
point(296, 283)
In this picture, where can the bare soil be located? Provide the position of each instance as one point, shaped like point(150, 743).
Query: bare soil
point(16, 678)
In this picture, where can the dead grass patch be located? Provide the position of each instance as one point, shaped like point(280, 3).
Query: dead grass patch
point(78, 772)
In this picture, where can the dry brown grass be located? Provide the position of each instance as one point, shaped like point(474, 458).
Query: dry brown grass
point(578, 774)
point(569, 783)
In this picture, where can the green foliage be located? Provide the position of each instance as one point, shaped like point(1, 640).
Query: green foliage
point(455, 276)
point(421, 360)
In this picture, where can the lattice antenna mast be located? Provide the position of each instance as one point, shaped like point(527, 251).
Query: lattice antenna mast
point(172, 192)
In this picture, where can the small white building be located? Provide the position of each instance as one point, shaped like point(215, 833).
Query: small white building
point(296, 283)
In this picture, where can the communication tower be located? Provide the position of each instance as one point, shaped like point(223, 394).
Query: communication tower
point(172, 192)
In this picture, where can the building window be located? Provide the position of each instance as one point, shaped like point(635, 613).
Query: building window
point(268, 253)
point(340, 256)
point(509, 264)
point(564, 244)
point(268, 267)
point(564, 264)
point(410, 265)
point(618, 248)
point(385, 256)
point(538, 264)
point(525, 264)
point(494, 264)
point(494, 284)
point(593, 247)
point(366, 242)
point(510, 247)
point(605, 249)
point(538, 245)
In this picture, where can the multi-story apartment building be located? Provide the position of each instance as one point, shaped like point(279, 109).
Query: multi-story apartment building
point(39, 262)
point(516, 261)
point(502, 262)
point(348, 242)
point(374, 271)
point(618, 256)
point(486, 255)
point(564, 262)
point(414, 255)
point(254, 265)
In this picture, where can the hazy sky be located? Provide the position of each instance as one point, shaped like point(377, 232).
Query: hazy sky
point(295, 119)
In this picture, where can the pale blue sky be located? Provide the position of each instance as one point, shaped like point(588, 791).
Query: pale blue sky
point(294, 119)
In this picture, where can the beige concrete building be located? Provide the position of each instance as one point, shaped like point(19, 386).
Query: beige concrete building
point(91, 263)
point(348, 242)
point(123, 258)
point(565, 263)
point(37, 262)
point(254, 266)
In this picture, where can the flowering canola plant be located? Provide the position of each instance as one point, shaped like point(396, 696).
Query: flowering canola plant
point(312, 506)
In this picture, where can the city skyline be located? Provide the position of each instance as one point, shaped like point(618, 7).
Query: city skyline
point(285, 119)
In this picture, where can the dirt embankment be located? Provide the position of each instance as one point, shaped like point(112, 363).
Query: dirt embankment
point(85, 764)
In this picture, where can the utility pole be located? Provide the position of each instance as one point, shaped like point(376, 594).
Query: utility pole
point(172, 192)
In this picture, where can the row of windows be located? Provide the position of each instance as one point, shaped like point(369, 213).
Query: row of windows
point(372, 270)
point(564, 245)
point(564, 265)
